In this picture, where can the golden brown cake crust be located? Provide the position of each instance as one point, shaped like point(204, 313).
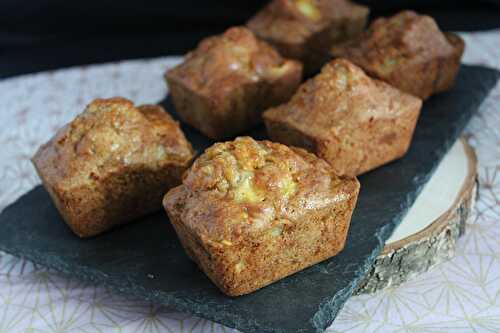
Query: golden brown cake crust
point(306, 29)
point(352, 121)
point(223, 86)
point(250, 212)
point(408, 51)
point(100, 167)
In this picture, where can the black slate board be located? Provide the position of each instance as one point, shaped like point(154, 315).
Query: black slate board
point(146, 260)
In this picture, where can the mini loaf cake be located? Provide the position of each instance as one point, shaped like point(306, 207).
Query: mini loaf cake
point(306, 29)
point(252, 212)
point(224, 85)
point(408, 51)
point(352, 121)
point(112, 164)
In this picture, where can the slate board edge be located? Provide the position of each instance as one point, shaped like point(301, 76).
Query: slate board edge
point(124, 288)
point(327, 311)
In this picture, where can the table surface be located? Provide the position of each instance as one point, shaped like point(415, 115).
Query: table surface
point(462, 295)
